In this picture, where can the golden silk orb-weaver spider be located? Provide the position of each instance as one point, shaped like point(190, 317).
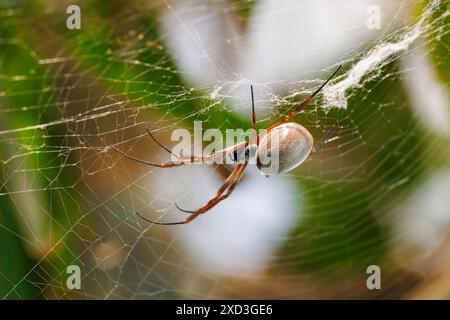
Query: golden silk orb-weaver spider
point(294, 145)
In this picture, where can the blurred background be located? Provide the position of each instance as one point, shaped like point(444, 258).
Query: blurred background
point(377, 194)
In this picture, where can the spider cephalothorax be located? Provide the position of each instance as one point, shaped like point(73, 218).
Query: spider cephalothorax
point(280, 148)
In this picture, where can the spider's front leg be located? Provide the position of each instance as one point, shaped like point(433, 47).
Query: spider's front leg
point(181, 160)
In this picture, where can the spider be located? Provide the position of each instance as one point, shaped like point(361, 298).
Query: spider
point(294, 146)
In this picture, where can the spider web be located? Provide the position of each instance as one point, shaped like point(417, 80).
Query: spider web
point(68, 199)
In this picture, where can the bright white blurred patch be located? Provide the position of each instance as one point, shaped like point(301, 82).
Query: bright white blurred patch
point(200, 35)
point(428, 96)
point(242, 233)
point(424, 219)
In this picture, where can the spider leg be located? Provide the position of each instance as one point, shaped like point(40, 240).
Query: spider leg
point(214, 201)
point(227, 182)
point(170, 164)
point(183, 210)
point(162, 165)
point(253, 109)
point(256, 136)
point(156, 222)
point(211, 203)
point(302, 105)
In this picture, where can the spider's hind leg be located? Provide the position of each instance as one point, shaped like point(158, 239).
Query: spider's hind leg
point(221, 190)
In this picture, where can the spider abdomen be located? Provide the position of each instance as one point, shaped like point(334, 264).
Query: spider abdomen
point(283, 148)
